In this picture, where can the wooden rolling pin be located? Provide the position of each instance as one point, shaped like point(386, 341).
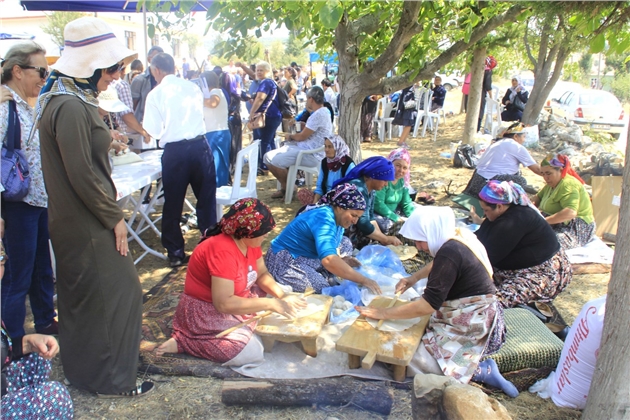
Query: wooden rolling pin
point(392, 303)
point(308, 292)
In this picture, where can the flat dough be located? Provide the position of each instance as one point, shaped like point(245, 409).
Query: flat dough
point(314, 305)
point(394, 325)
point(404, 252)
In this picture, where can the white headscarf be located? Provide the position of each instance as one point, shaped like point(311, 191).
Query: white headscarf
point(513, 91)
point(436, 225)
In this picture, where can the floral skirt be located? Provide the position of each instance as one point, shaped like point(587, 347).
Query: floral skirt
point(542, 282)
point(197, 323)
point(477, 182)
point(462, 331)
point(302, 272)
point(574, 234)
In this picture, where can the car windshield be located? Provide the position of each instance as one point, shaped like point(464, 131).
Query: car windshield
point(596, 98)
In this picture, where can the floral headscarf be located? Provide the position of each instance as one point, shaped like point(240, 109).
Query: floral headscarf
point(403, 154)
point(561, 161)
point(247, 218)
point(376, 167)
point(505, 192)
point(346, 196)
point(341, 153)
point(512, 89)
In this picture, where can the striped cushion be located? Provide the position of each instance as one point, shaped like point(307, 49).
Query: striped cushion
point(529, 343)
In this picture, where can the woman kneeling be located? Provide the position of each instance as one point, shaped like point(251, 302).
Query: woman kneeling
point(225, 283)
point(309, 251)
point(529, 264)
point(466, 318)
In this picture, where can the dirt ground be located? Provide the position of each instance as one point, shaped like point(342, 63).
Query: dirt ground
point(192, 397)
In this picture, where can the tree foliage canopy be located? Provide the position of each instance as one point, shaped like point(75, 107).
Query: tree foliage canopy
point(57, 21)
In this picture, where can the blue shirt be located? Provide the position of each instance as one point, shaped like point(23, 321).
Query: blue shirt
point(253, 88)
point(312, 234)
point(332, 177)
point(269, 87)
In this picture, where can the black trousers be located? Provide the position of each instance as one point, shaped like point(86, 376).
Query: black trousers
point(187, 162)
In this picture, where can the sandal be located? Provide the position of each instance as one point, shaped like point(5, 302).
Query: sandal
point(422, 196)
point(278, 194)
point(139, 391)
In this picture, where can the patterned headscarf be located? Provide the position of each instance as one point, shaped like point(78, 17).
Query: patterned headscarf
point(247, 218)
point(341, 153)
point(512, 89)
point(376, 167)
point(346, 196)
point(561, 161)
point(506, 192)
point(403, 154)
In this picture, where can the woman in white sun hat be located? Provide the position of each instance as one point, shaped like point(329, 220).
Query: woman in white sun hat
point(100, 298)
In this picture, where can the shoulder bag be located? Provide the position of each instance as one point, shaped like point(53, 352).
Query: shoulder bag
point(16, 178)
point(259, 120)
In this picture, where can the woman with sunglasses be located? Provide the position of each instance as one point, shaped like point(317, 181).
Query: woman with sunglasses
point(29, 271)
point(100, 298)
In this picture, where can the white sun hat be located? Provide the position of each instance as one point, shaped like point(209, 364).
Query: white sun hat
point(90, 44)
point(109, 101)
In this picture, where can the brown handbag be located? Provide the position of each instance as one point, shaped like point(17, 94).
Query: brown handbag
point(256, 121)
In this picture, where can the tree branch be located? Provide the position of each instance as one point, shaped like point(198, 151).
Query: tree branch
point(407, 28)
point(398, 82)
point(527, 46)
point(367, 24)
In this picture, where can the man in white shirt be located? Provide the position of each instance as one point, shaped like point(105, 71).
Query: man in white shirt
point(318, 127)
point(174, 115)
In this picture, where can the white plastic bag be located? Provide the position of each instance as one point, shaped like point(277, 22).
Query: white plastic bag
point(572, 378)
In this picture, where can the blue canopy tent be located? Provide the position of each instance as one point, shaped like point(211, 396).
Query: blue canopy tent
point(109, 6)
point(4, 35)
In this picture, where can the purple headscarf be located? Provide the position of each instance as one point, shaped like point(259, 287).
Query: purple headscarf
point(376, 167)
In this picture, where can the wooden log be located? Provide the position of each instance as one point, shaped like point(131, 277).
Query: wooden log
point(591, 268)
point(368, 395)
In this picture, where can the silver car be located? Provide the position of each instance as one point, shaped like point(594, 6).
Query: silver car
point(594, 110)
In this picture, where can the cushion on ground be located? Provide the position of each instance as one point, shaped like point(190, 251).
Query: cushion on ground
point(529, 343)
point(466, 201)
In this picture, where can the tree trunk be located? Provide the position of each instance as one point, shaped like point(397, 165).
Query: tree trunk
point(372, 396)
point(349, 120)
point(543, 85)
point(474, 95)
point(609, 396)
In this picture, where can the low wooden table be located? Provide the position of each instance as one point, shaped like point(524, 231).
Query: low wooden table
point(305, 330)
point(362, 340)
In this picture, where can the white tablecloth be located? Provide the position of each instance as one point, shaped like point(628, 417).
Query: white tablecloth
point(135, 176)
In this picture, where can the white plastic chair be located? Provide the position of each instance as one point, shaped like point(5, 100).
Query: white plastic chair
point(430, 118)
point(309, 171)
point(228, 195)
point(425, 97)
point(382, 118)
point(493, 121)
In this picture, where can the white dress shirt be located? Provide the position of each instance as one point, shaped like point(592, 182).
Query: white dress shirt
point(174, 111)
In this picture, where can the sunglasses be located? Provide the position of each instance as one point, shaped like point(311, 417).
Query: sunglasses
point(115, 68)
point(43, 72)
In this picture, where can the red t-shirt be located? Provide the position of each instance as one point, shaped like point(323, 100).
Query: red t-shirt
point(219, 256)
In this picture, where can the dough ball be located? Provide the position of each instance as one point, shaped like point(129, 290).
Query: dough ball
point(338, 298)
point(338, 305)
point(347, 305)
point(337, 312)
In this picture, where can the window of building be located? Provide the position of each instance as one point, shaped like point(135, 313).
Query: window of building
point(155, 40)
point(130, 38)
point(176, 46)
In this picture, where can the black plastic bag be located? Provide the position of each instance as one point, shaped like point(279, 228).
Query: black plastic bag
point(465, 157)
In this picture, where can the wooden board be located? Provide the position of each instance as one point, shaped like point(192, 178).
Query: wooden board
point(306, 330)
point(591, 268)
point(398, 348)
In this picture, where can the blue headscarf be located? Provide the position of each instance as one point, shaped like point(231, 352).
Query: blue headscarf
point(376, 167)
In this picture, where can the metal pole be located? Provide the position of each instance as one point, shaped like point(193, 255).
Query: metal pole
point(146, 41)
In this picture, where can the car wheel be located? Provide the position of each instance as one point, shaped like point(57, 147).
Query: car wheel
point(448, 86)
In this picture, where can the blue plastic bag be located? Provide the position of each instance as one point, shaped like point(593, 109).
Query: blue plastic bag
point(350, 291)
point(380, 256)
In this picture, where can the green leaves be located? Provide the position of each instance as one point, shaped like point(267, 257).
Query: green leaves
point(598, 44)
point(330, 14)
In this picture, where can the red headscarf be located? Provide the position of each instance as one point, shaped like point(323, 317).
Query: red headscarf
point(561, 161)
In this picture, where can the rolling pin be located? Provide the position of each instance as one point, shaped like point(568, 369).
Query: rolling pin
point(308, 292)
point(392, 303)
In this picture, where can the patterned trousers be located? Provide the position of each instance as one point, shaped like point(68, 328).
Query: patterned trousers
point(29, 393)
